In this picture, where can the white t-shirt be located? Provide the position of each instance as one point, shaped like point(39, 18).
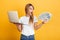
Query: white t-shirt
point(28, 29)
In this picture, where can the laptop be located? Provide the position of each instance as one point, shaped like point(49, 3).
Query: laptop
point(13, 16)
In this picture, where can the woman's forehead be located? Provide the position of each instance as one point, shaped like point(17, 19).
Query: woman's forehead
point(31, 6)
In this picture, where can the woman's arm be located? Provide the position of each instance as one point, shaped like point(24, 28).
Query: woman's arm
point(37, 26)
point(19, 26)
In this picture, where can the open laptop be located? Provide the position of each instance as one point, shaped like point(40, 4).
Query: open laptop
point(13, 16)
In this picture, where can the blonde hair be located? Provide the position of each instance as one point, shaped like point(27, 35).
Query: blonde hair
point(26, 8)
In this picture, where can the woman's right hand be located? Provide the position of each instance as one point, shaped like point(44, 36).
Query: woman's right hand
point(17, 24)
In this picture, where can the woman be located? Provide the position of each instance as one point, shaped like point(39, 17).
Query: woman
point(28, 23)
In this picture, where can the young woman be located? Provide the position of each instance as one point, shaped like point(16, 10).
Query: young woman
point(28, 23)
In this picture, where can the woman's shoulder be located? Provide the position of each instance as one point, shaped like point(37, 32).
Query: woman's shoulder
point(35, 17)
point(22, 17)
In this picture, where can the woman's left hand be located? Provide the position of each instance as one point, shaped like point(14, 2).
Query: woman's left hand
point(45, 21)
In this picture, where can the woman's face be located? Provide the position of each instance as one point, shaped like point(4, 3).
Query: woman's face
point(30, 9)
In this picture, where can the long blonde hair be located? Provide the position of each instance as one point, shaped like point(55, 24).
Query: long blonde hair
point(31, 16)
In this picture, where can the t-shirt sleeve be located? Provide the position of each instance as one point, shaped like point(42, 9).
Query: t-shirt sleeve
point(20, 20)
point(35, 19)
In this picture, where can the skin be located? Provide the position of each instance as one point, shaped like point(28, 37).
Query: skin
point(30, 9)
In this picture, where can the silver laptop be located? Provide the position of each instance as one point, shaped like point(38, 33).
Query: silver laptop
point(13, 16)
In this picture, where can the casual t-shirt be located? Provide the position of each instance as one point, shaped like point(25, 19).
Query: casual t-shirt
point(28, 29)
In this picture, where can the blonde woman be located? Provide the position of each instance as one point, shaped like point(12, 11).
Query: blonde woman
point(28, 23)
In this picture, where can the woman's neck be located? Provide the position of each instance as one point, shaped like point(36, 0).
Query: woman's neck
point(27, 15)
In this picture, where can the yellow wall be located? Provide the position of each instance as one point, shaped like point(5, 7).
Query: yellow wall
point(49, 31)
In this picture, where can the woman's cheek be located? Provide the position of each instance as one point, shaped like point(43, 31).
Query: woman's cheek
point(31, 10)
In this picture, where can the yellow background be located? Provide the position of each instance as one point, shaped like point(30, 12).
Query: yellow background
point(49, 31)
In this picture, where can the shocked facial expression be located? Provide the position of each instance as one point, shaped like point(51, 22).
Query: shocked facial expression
point(30, 10)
